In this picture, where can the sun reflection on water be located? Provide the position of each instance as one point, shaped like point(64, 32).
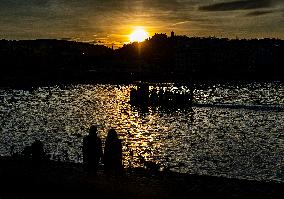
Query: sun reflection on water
point(207, 141)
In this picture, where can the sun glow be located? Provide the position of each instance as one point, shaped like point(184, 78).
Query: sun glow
point(138, 35)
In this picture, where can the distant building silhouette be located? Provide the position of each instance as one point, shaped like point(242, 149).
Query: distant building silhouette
point(172, 34)
point(160, 37)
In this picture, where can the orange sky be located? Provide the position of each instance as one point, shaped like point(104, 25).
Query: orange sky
point(110, 21)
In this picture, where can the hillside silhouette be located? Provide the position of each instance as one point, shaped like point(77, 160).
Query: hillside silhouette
point(157, 58)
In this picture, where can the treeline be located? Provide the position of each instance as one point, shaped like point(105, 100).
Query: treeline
point(49, 60)
point(207, 58)
point(160, 57)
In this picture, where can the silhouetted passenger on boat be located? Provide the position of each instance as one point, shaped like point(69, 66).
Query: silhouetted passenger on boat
point(140, 96)
point(113, 153)
point(161, 96)
point(154, 97)
point(133, 96)
point(92, 150)
point(143, 90)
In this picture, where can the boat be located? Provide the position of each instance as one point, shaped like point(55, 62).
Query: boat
point(153, 94)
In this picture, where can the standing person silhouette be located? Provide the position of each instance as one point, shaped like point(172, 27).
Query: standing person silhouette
point(92, 150)
point(37, 151)
point(113, 153)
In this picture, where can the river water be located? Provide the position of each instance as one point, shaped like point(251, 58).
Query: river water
point(243, 141)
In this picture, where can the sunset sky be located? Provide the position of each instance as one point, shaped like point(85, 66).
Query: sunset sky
point(111, 21)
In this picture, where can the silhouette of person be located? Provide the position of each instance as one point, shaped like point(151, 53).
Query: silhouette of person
point(37, 151)
point(92, 150)
point(113, 153)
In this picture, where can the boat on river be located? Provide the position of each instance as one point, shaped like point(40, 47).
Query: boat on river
point(150, 94)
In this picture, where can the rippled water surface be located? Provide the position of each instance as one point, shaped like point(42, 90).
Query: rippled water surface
point(241, 142)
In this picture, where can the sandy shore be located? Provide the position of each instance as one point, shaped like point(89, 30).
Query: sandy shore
point(22, 179)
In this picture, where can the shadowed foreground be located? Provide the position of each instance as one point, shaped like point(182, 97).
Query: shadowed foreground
point(23, 179)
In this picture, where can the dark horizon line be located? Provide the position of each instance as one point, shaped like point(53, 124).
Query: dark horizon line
point(101, 44)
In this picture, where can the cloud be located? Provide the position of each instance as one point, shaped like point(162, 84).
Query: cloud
point(180, 23)
point(259, 13)
point(237, 5)
point(18, 4)
point(93, 19)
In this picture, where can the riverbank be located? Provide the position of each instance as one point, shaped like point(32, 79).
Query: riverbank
point(31, 80)
point(22, 179)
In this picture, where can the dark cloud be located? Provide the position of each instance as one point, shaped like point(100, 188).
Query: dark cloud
point(259, 13)
point(4, 4)
point(238, 5)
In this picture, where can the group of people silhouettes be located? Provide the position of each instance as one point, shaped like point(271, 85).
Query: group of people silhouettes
point(93, 153)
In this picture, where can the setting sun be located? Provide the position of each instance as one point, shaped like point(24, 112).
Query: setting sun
point(138, 35)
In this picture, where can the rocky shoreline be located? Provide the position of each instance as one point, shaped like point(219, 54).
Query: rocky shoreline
point(23, 179)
